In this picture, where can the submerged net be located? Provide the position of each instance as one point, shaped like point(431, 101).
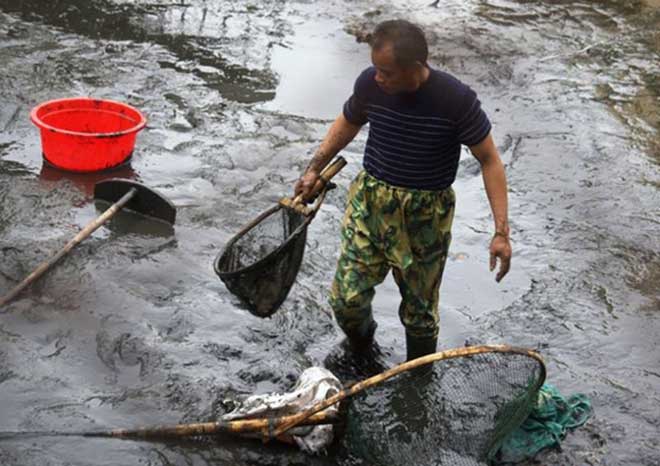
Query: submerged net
point(259, 265)
point(450, 412)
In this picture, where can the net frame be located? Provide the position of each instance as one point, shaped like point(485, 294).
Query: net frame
point(251, 282)
point(512, 419)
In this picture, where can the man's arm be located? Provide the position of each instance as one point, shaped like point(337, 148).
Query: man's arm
point(339, 135)
point(494, 177)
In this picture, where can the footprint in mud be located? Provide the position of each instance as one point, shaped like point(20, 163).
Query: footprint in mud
point(54, 344)
point(5, 371)
point(177, 329)
point(223, 352)
point(125, 354)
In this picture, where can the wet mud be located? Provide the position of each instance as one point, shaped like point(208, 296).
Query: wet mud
point(135, 328)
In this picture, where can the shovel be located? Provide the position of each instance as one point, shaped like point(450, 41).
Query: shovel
point(123, 193)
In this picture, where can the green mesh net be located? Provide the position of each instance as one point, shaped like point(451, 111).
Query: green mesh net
point(552, 416)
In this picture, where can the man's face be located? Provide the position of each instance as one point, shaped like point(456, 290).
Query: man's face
point(390, 76)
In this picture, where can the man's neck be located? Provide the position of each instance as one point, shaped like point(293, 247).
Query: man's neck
point(421, 79)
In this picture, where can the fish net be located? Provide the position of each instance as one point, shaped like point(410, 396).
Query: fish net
point(463, 407)
point(260, 264)
point(454, 411)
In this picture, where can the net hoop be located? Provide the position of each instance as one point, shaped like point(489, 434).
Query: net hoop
point(301, 229)
point(263, 282)
point(223, 274)
point(409, 365)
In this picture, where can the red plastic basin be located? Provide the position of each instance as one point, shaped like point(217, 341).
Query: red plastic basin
point(86, 135)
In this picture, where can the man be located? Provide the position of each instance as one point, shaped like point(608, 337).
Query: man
point(400, 207)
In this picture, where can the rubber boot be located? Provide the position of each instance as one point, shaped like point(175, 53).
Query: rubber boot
point(361, 339)
point(357, 356)
point(419, 346)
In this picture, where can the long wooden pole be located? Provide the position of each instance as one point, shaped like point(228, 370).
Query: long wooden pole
point(261, 426)
point(84, 233)
point(264, 426)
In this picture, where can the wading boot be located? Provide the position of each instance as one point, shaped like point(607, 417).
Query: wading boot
point(361, 339)
point(357, 356)
point(420, 346)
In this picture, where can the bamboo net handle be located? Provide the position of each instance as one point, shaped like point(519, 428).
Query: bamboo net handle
point(262, 426)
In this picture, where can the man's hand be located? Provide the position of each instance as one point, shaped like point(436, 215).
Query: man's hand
point(306, 183)
point(495, 182)
point(500, 248)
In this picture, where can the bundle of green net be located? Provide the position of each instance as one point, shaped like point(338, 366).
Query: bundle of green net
point(463, 411)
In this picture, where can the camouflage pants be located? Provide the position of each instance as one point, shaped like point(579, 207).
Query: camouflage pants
point(385, 228)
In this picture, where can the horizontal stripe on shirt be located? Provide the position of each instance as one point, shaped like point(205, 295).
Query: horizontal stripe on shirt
point(399, 179)
point(405, 128)
point(404, 115)
point(423, 163)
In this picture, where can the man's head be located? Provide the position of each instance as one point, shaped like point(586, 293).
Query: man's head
point(399, 53)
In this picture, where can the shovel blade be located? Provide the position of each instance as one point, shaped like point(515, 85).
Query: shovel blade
point(145, 201)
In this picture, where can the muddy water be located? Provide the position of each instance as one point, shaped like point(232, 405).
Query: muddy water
point(134, 328)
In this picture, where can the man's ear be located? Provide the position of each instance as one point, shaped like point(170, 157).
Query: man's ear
point(419, 66)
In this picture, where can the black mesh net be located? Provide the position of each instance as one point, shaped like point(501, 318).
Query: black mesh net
point(260, 263)
point(456, 412)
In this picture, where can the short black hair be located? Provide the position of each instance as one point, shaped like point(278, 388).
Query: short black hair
point(407, 39)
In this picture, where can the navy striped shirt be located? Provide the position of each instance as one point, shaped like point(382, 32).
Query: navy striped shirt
point(415, 138)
